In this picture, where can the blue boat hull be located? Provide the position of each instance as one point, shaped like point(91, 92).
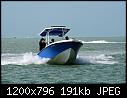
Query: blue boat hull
point(61, 53)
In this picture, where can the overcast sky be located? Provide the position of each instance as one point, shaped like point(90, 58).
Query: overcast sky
point(84, 18)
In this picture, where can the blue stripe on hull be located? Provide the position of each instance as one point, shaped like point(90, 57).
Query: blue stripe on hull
point(54, 49)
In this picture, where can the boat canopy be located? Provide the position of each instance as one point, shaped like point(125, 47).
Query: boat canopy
point(55, 31)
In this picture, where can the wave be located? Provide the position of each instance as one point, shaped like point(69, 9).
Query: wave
point(99, 41)
point(22, 59)
point(96, 59)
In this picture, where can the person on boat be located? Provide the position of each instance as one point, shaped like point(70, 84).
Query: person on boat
point(42, 44)
point(52, 41)
point(67, 38)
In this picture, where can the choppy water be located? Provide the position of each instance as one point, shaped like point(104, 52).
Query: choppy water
point(100, 60)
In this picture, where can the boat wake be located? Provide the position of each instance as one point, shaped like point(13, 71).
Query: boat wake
point(22, 59)
point(32, 58)
point(95, 59)
point(99, 41)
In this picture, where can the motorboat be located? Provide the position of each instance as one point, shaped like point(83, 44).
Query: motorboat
point(62, 51)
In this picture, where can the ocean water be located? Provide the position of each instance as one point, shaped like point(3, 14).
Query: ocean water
point(100, 60)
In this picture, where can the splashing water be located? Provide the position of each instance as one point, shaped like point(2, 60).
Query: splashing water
point(31, 58)
point(97, 59)
point(22, 59)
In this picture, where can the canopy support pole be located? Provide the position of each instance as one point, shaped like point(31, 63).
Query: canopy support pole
point(62, 33)
point(48, 38)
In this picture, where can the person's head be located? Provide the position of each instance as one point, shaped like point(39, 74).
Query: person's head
point(66, 37)
point(52, 40)
point(42, 39)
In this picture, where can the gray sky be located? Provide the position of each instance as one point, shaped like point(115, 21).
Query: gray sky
point(84, 18)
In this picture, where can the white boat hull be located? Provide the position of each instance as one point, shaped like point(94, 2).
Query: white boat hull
point(64, 57)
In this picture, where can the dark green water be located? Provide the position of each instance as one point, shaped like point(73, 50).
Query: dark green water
point(100, 60)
